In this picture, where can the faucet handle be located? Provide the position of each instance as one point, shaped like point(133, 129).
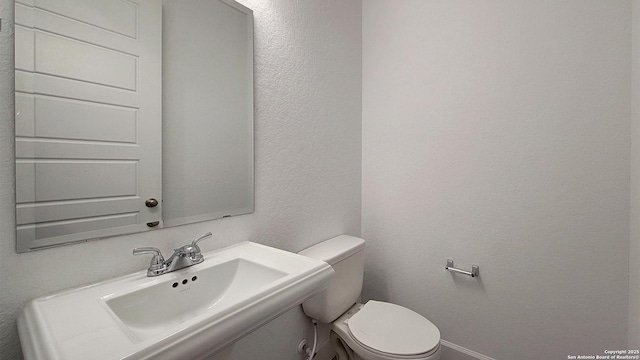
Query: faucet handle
point(157, 255)
point(157, 265)
point(194, 250)
point(200, 238)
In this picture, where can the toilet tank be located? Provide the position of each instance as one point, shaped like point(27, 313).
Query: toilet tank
point(345, 254)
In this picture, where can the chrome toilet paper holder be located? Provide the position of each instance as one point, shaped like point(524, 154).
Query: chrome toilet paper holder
point(475, 269)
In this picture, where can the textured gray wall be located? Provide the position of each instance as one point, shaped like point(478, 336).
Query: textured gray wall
point(497, 133)
point(634, 251)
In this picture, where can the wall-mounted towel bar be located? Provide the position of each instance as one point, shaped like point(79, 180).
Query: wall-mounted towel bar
point(475, 270)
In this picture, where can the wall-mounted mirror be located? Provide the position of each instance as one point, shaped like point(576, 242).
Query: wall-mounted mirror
point(131, 115)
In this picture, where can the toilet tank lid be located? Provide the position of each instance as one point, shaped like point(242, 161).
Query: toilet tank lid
point(335, 249)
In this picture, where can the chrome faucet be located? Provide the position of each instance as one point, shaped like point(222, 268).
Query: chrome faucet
point(185, 256)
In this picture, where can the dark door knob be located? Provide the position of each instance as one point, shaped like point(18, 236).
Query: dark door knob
point(151, 203)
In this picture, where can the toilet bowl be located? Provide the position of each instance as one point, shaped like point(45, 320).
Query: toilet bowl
point(372, 331)
point(383, 331)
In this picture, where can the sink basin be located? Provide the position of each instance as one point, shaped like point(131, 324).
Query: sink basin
point(190, 313)
point(149, 310)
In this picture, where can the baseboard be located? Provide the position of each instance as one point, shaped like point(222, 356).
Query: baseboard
point(451, 351)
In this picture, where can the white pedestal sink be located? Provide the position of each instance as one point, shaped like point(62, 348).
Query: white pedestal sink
point(187, 314)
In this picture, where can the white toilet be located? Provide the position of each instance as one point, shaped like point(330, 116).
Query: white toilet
point(372, 331)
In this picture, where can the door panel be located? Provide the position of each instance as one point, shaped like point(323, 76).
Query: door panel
point(88, 118)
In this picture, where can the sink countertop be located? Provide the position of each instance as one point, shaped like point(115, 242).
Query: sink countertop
point(78, 323)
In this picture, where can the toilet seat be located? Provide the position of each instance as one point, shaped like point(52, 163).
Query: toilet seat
point(342, 328)
point(392, 329)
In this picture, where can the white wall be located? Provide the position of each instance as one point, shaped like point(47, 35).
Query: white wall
point(308, 156)
point(634, 251)
point(497, 133)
